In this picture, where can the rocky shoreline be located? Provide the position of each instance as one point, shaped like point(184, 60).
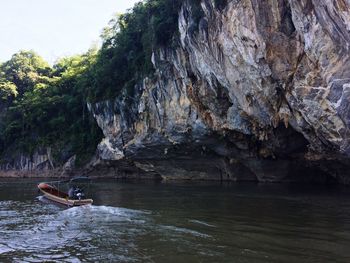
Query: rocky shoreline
point(32, 174)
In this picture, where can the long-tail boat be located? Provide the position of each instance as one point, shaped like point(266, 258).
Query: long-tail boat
point(75, 195)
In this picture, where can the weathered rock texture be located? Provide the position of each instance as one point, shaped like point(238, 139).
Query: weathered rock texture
point(41, 160)
point(258, 90)
point(40, 164)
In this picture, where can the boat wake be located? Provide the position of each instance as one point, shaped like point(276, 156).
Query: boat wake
point(32, 229)
point(176, 231)
point(201, 223)
point(103, 214)
point(33, 232)
point(102, 210)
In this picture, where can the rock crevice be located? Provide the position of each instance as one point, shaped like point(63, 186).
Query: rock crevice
point(251, 90)
point(254, 91)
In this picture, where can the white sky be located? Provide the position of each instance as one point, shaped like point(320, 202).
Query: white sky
point(54, 28)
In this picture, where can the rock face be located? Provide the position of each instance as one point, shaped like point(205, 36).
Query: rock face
point(41, 160)
point(254, 90)
point(40, 164)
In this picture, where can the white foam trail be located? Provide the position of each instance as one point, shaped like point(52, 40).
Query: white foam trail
point(185, 231)
point(201, 223)
point(4, 249)
point(102, 209)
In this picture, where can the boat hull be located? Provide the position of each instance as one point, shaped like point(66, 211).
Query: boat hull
point(57, 196)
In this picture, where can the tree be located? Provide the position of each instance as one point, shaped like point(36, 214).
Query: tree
point(7, 90)
point(24, 69)
point(128, 43)
point(46, 106)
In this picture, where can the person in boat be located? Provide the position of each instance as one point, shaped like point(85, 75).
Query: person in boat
point(71, 192)
point(75, 192)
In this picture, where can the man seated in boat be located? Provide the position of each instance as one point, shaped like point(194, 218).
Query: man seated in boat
point(75, 193)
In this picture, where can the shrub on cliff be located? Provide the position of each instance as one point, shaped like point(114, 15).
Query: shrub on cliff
point(46, 106)
point(128, 42)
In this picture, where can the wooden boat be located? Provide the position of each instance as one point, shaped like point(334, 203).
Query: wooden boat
point(54, 194)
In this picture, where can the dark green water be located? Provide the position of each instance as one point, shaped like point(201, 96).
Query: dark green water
point(149, 222)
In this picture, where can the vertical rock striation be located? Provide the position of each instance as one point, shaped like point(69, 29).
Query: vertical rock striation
point(255, 90)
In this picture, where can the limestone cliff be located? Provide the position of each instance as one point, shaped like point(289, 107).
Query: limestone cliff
point(40, 160)
point(254, 90)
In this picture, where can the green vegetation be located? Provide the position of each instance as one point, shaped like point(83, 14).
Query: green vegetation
point(8, 90)
point(128, 42)
point(46, 106)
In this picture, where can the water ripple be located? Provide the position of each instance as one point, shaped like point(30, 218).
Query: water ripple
point(33, 229)
point(184, 225)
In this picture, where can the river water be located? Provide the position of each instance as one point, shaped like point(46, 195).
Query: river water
point(177, 222)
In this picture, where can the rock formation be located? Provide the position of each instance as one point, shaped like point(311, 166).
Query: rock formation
point(254, 90)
